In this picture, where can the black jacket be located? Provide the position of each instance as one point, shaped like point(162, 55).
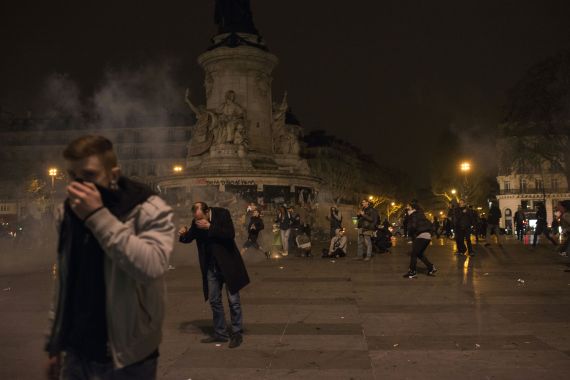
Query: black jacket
point(463, 218)
point(418, 223)
point(219, 242)
point(258, 223)
point(369, 220)
point(494, 215)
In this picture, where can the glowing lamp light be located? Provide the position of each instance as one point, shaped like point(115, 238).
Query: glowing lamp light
point(370, 198)
point(52, 172)
point(393, 204)
point(453, 191)
point(177, 169)
point(465, 166)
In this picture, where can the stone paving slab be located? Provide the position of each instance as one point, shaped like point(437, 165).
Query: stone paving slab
point(319, 319)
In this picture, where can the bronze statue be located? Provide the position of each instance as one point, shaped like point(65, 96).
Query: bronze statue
point(234, 16)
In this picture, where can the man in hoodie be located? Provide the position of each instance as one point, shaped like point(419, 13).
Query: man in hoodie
point(115, 239)
point(419, 229)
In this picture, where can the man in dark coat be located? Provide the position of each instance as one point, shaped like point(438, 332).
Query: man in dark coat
point(520, 218)
point(220, 262)
point(493, 220)
point(463, 223)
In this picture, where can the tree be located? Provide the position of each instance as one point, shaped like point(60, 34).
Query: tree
point(537, 125)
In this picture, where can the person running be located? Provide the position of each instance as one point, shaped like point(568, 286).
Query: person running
point(419, 229)
point(541, 226)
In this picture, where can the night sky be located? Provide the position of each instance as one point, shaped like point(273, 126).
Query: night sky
point(387, 76)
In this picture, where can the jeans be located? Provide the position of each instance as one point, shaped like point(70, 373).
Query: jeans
point(419, 247)
point(364, 241)
point(285, 235)
point(215, 284)
point(76, 368)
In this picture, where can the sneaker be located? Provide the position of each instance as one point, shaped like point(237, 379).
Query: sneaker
point(285, 254)
point(431, 272)
point(236, 341)
point(214, 339)
point(367, 258)
point(410, 274)
point(563, 254)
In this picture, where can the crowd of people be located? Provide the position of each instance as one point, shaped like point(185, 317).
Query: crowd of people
point(116, 237)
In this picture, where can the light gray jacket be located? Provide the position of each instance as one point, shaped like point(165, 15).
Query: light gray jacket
point(137, 251)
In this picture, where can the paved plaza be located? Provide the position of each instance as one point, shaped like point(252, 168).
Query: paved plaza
point(503, 314)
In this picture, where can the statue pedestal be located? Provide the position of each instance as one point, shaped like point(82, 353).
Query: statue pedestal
point(245, 70)
point(226, 157)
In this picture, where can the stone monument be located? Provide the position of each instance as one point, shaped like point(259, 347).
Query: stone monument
point(240, 135)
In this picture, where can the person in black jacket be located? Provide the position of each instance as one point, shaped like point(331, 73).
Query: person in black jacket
point(493, 224)
point(541, 226)
point(220, 262)
point(419, 229)
point(463, 223)
point(367, 222)
point(254, 227)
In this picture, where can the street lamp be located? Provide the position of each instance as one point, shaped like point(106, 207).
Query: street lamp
point(465, 167)
point(52, 173)
point(177, 169)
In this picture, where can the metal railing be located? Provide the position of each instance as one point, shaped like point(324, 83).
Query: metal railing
point(534, 191)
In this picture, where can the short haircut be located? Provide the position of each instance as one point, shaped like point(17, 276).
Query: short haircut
point(201, 205)
point(92, 145)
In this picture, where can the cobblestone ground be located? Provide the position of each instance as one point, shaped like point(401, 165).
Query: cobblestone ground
point(503, 314)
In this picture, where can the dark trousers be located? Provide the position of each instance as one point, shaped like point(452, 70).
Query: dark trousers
point(251, 241)
point(77, 368)
point(520, 232)
point(462, 237)
point(215, 284)
point(419, 247)
point(542, 229)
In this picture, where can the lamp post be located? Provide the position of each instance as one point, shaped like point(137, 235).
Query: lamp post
point(52, 173)
point(465, 168)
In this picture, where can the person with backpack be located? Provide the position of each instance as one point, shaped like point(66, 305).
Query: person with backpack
point(419, 229)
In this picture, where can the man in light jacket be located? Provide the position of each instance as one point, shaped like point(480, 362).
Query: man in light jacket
point(115, 240)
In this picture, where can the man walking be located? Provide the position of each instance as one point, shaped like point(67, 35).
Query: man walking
point(493, 220)
point(220, 263)
point(519, 218)
point(463, 224)
point(367, 221)
point(541, 226)
point(115, 239)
